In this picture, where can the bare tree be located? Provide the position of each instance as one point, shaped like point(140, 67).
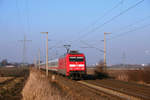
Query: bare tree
point(4, 62)
point(99, 71)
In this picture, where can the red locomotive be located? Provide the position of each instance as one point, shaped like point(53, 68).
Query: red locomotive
point(72, 64)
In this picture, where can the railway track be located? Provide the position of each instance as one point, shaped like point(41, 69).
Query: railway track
point(107, 89)
point(80, 91)
point(87, 90)
point(127, 92)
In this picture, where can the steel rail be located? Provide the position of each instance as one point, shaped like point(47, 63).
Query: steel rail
point(123, 95)
point(130, 88)
point(114, 92)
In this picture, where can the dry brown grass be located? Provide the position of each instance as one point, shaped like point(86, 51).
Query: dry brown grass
point(141, 76)
point(100, 71)
point(3, 79)
point(38, 87)
point(12, 81)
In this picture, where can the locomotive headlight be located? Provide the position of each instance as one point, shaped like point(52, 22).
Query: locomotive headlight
point(72, 65)
point(81, 65)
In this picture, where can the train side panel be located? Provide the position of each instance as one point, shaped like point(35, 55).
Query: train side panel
point(62, 66)
point(52, 65)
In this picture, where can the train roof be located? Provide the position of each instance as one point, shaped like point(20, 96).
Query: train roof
point(74, 52)
point(54, 60)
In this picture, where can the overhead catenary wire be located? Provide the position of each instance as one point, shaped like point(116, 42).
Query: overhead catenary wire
point(28, 18)
point(20, 16)
point(24, 49)
point(124, 33)
point(132, 24)
point(127, 32)
point(110, 20)
point(91, 46)
point(99, 18)
point(118, 35)
point(135, 23)
point(18, 11)
point(27, 24)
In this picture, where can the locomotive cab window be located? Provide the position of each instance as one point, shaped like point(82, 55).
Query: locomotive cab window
point(72, 59)
point(79, 58)
point(76, 59)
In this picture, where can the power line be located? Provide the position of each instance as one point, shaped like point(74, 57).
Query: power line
point(121, 34)
point(57, 46)
point(101, 17)
point(91, 46)
point(132, 24)
point(113, 18)
point(24, 49)
point(125, 33)
point(28, 19)
point(18, 10)
point(135, 23)
point(19, 14)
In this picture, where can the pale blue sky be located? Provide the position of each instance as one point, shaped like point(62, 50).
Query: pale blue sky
point(71, 20)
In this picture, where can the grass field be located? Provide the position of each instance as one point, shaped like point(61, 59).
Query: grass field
point(12, 81)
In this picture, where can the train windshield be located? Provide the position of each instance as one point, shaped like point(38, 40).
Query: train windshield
point(76, 59)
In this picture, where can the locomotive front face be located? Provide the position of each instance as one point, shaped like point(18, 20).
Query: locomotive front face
point(76, 66)
point(76, 63)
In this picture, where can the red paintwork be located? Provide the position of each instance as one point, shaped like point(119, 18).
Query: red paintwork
point(64, 64)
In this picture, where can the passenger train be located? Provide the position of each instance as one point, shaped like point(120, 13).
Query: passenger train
point(72, 65)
